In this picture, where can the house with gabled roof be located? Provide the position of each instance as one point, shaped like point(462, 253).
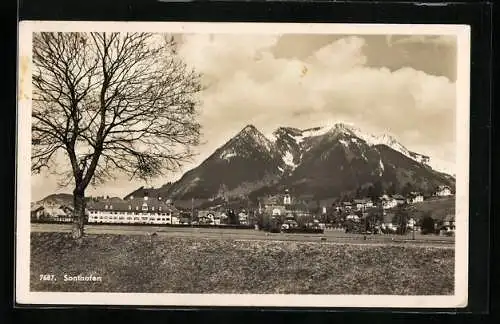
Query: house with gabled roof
point(346, 205)
point(415, 197)
point(400, 200)
point(388, 202)
point(37, 212)
point(443, 191)
point(363, 203)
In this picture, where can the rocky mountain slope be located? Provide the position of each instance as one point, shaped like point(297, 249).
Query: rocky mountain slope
point(246, 162)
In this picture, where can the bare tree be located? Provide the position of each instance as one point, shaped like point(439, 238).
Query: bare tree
point(108, 104)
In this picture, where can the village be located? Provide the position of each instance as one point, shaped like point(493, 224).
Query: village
point(279, 212)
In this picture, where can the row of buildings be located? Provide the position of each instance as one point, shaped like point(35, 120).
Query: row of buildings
point(218, 217)
point(157, 210)
point(143, 210)
point(281, 204)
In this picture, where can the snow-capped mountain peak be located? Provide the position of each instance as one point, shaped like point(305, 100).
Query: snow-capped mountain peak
point(251, 132)
point(249, 129)
point(391, 142)
point(249, 138)
point(298, 136)
point(387, 140)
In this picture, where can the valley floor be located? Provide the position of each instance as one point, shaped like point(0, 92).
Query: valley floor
point(177, 264)
point(250, 234)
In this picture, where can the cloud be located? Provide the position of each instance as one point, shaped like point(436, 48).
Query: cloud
point(216, 55)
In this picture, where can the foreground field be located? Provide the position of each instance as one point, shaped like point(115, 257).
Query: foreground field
point(141, 263)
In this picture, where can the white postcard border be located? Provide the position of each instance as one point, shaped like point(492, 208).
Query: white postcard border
point(23, 197)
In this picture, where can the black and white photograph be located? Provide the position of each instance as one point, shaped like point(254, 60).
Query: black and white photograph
point(242, 164)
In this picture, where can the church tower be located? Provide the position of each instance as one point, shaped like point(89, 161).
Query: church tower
point(287, 199)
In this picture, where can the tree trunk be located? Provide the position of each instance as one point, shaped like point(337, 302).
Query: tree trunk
point(78, 214)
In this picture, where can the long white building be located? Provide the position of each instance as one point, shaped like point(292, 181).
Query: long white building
point(139, 210)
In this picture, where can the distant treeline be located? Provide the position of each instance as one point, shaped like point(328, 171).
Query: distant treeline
point(305, 230)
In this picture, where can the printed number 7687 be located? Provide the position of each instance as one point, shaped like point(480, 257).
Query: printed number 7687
point(47, 277)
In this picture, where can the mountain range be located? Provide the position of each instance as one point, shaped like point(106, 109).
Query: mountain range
point(320, 162)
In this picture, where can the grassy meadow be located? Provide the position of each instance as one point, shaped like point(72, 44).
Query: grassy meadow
point(438, 208)
point(155, 264)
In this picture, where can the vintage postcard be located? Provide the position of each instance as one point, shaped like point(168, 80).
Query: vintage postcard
point(242, 164)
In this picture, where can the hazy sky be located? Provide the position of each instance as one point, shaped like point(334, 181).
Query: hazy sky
point(401, 85)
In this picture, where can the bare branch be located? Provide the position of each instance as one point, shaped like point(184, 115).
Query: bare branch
point(113, 103)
